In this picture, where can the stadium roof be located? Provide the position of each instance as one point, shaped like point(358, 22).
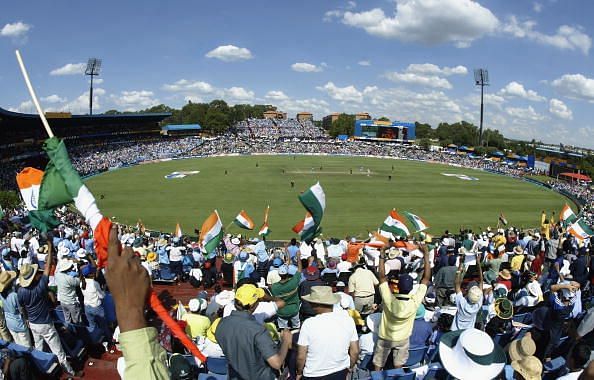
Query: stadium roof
point(182, 127)
point(65, 119)
point(577, 176)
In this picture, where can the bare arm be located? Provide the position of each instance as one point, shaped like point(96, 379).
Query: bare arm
point(301, 355)
point(354, 353)
point(382, 266)
point(459, 276)
point(276, 361)
point(480, 270)
point(49, 257)
point(299, 264)
point(427, 265)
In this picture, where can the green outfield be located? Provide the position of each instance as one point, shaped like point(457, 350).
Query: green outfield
point(355, 203)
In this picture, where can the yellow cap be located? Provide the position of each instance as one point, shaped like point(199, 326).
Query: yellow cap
point(249, 294)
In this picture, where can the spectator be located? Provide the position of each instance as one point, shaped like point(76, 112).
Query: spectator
point(362, 285)
point(399, 311)
point(250, 351)
point(469, 306)
point(328, 345)
point(422, 329)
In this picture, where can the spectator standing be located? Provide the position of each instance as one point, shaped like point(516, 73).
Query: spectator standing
point(287, 289)
point(399, 312)
point(12, 313)
point(68, 284)
point(328, 345)
point(247, 345)
point(362, 285)
point(33, 296)
point(469, 306)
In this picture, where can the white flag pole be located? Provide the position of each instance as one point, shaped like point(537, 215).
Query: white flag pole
point(33, 96)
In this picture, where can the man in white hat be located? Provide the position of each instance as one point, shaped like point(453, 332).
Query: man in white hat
point(469, 306)
point(328, 344)
point(198, 324)
point(68, 285)
point(33, 297)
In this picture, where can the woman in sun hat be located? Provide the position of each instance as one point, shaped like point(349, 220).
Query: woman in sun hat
point(471, 354)
point(528, 367)
point(14, 320)
point(501, 323)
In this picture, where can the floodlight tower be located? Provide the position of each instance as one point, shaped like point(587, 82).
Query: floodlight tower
point(481, 78)
point(93, 67)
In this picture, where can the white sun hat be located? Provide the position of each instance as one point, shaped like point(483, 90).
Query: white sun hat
point(471, 354)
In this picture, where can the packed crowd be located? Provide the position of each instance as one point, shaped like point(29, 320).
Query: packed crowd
point(275, 128)
point(498, 304)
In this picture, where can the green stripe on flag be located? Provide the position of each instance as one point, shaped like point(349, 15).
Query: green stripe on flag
point(311, 204)
point(394, 230)
point(213, 243)
point(61, 183)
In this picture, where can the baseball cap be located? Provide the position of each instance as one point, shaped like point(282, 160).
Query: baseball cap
point(405, 284)
point(283, 269)
point(248, 294)
point(277, 262)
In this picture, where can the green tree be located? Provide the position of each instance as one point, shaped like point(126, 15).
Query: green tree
point(423, 131)
point(215, 121)
point(343, 125)
point(383, 118)
point(9, 199)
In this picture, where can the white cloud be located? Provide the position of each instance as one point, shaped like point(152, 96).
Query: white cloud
point(276, 95)
point(430, 68)
point(426, 74)
point(331, 15)
point(70, 69)
point(560, 109)
point(348, 94)
point(80, 105)
point(419, 79)
point(566, 38)
point(525, 114)
point(304, 67)
point(230, 53)
point(15, 30)
point(184, 85)
point(515, 89)
point(134, 100)
point(575, 86)
point(53, 99)
point(428, 21)
point(318, 107)
point(364, 63)
point(351, 5)
point(239, 94)
point(537, 7)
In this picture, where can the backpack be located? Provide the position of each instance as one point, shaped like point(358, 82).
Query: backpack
point(180, 368)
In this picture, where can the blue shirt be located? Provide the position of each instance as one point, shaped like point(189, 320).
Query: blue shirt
point(421, 333)
point(292, 249)
point(35, 301)
point(12, 314)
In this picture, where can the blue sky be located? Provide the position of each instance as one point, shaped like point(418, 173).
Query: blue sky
point(410, 60)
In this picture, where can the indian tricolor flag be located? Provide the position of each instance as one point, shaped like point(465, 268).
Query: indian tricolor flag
point(305, 227)
point(61, 184)
point(417, 221)
point(244, 221)
point(580, 230)
point(29, 182)
point(394, 224)
point(211, 232)
point(178, 231)
point(314, 201)
point(265, 229)
point(567, 215)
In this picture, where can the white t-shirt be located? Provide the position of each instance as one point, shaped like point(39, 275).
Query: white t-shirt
point(327, 337)
point(264, 311)
point(196, 273)
point(335, 250)
point(571, 375)
point(344, 266)
point(175, 254)
point(92, 293)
